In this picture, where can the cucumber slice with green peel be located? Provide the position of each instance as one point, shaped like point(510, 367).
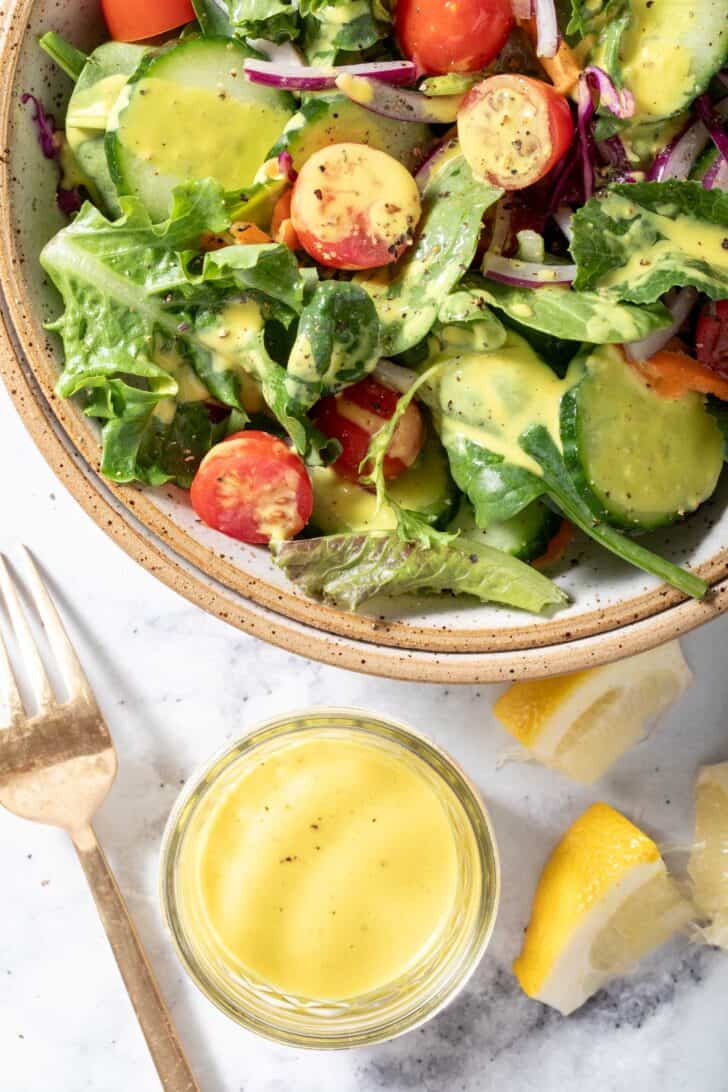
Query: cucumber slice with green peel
point(342, 506)
point(97, 90)
point(331, 118)
point(525, 535)
point(639, 460)
point(189, 112)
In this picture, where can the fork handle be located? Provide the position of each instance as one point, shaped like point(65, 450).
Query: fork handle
point(156, 1023)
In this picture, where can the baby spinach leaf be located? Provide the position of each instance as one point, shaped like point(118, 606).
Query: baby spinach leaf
point(635, 241)
point(337, 343)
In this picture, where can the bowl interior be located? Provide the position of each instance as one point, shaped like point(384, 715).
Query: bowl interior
point(605, 593)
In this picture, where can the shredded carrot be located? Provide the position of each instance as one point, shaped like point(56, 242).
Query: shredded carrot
point(563, 70)
point(209, 241)
point(557, 547)
point(672, 374)
point(288, 235)
point(246, 233)
point(281, 225)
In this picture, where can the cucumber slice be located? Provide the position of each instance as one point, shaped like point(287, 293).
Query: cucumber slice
point(103, 79)
point(190, 112)
point(341, 506)
point(525, 536)
point(639, 460)
point(331, 118)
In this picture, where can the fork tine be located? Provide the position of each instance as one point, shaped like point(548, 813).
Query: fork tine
point(11, 693)
point(64, 651)
point(41, 685)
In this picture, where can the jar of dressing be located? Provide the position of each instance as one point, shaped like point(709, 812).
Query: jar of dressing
point(330, 880)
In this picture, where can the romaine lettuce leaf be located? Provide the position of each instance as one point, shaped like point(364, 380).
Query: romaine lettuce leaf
point(337, 343)
point(274, 20)
point(635, 241)
point(573, 316)
point(349, 569)
point(134, 314)
point(335, 27)
point(409, 295)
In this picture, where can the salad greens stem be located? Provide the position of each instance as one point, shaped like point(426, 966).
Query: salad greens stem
point(71, 60)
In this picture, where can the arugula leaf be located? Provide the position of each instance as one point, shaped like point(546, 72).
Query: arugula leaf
point(337, 343)
point(574, 316)
point(349, 569)
point(537, 443)
point(636, 241)
point(213, 21)
point(409, 295)
point(274, 20)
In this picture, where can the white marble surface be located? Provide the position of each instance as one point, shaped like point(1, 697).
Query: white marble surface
point(175, 685)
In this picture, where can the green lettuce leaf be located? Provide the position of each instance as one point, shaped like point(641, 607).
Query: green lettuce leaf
point(410, 294)
point(213, 21)
point(349, 569)
point(574, 316)
point(274, 20)
point(636, 241)
point(337, 343)
point(133, 314)
point(334, 28)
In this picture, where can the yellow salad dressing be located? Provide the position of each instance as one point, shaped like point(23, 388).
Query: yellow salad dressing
point(325, 865)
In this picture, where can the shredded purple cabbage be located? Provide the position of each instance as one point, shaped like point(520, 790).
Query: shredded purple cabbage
point(285, 166)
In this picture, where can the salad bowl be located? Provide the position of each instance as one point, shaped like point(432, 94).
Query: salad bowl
point(613, 610)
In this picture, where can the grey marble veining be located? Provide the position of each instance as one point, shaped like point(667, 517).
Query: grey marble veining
point(176, 685)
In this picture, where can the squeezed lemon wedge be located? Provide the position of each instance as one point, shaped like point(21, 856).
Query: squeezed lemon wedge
point(604, 900)
point(708, 865)
point(581, 724)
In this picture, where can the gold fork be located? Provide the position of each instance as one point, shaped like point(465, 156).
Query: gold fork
point(57, 767)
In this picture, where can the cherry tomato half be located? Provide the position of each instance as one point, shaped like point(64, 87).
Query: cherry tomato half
point(354, 207)
point(357, 414)
point(452, 35)
point(253, 488)
point(711, 336)
point(135, 20)
point(514, 129)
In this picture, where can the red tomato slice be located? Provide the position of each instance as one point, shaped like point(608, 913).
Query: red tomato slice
point(134, 20)
point(514, 129)
point(355, 207)
point(355, 416)
point(253, 488)
point(711, 336)
point(452, 35)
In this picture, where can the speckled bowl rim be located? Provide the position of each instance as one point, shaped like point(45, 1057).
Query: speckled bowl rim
point(27, 365)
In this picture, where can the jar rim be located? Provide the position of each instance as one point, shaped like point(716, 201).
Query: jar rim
point(316, 1026)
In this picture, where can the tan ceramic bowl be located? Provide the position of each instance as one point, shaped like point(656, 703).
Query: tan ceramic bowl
point(615, 610)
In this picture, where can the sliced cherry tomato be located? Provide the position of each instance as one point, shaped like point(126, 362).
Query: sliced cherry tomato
point(253, 488)
point(134, 20)
point(357, 414)
point(514, 129)
point(672, 374)
point(711, 336)
point(452, 35)
point(355, 207)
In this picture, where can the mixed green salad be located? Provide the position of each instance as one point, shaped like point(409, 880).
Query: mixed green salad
point(408, 292)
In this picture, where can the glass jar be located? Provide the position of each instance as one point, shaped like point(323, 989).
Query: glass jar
point(443, 967)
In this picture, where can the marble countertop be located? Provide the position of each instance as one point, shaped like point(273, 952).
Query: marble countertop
point(175, 685)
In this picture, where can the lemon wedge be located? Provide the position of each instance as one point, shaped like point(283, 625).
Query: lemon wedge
point(581, 724)
point(708, 865)
point(604, 900)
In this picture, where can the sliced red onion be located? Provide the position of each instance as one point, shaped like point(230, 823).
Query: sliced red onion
point(395, 376)
point(547, 29)
point(522, 9)
point(278, 52)
point(526, 274)
point(391, 102)
point(285, 166)
point(677, 159)
point(712, 121)
point(679, 304)
point(613, 152)
point(620, 103)
point(716, 176)
point(293, 77)
point(563, 217)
